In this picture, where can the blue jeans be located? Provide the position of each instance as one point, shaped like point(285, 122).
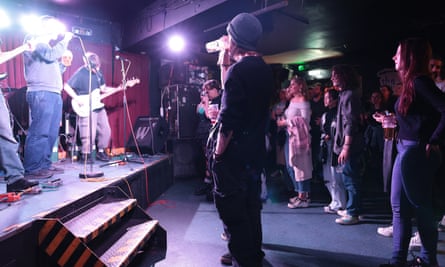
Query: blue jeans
point(10, 163)
point(411, 195)
point(352, 181)
point(290, 170)
point(45, 115)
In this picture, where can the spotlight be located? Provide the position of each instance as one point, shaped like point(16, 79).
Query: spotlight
point(42, 25)
point(29, 23)
point(176, 43)
point(4, 19)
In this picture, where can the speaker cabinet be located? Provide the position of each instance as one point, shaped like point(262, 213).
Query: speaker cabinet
point(180, 105)
point(150, 135)
point(188, 158)
point(172, 73)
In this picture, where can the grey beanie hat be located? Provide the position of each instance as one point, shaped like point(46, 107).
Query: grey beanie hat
point(245, 30)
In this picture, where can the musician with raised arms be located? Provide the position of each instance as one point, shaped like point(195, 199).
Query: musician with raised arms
point(43, 76)
point(11, 167)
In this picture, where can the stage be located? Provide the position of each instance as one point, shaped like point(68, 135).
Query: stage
point(140, 182)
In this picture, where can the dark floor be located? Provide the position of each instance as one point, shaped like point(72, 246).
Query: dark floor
point(292, 237)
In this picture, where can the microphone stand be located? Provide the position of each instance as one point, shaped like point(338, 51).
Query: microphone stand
point(125, 158)
point(91, 173)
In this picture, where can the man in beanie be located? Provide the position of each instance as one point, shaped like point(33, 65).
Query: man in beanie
point(239, 153)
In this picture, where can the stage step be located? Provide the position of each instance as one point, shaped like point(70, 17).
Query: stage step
point(97, 219)
point(129, 244)
point(106, 228)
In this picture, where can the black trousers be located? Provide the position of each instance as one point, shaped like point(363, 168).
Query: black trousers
point(240, 212)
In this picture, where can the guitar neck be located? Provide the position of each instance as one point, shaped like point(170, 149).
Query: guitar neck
point(130, 83)
point(113, 91)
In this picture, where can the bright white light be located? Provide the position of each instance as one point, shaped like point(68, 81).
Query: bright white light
point(34, 25)
point(30, 23)
point(319, 73)
point(4, 19)
point(176, 43)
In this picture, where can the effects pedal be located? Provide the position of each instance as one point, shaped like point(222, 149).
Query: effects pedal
point(51, 183)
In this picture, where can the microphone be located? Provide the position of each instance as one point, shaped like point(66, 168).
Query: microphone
point(118, 57)
point(72, 34)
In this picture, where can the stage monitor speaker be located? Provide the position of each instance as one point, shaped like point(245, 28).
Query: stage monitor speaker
point(150, 135)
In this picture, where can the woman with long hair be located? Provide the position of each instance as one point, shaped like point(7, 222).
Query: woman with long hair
point(299, 166)
point(420, 112)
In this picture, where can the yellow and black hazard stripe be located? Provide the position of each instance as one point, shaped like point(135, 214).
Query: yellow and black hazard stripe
point(64, 248)
point(108, 223)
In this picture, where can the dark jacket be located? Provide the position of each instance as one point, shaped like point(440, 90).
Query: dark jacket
point(245, 105)
point(348, 121)
point(425, 120)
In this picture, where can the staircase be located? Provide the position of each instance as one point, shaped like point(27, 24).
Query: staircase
point(105, 228)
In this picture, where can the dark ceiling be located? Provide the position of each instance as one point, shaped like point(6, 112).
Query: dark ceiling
point(305, 29)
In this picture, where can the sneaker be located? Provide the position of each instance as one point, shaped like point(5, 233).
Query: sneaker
point(415, 243)
point(226, 259)
point(385, 231)
point(328, 209)
point(342, 213)
point(347, 220)
point(39, 174)
point(20, 185)
point(56, 170)
point(293, 199)
point(299, 203)
point(102, 156)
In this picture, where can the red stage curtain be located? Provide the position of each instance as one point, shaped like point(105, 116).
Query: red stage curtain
point(137, 96)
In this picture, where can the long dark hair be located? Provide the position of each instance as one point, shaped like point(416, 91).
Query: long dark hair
point(415, 54)
point(348, 77)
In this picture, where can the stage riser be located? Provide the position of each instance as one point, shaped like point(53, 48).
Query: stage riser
point(159, 177)
point(20, 247)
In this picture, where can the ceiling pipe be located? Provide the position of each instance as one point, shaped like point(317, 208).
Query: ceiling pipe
point(255, 13)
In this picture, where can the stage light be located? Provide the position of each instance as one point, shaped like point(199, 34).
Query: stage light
point(319, 73)
point(4, 19)
point(29, 23)
point(176, 43)
point(33, 24)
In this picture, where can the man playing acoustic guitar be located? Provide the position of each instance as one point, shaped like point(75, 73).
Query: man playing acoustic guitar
point(78, 88)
